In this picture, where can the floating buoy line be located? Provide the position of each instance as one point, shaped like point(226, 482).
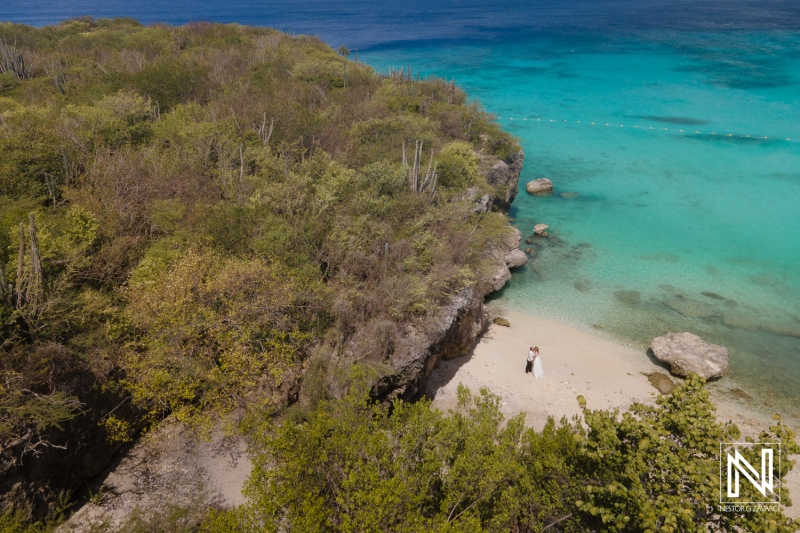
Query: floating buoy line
point(649, 128)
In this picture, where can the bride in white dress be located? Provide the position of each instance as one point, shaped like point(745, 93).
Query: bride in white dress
point(538, 369)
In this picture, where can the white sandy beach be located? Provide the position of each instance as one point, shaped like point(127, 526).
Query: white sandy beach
point(575, 362)
point(606, 373)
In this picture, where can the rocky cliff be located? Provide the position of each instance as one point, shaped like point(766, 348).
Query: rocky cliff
point(457, 325)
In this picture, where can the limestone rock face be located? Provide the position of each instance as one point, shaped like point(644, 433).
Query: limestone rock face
point(483, 203)
point(539, 185)
point(687, 353)
point(503, 174)
point(516, 258)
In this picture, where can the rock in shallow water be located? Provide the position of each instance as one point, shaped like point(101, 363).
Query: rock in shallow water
point(750, 322)
point(628, 297)
point(740, 394)
point(539, 186)
point(583, 285)
point(540, 229)
point(690, 308)
point(786, 328)
point(740, 320)
point(687, 353)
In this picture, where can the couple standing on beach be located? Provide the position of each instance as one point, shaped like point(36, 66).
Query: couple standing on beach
point(534, 364)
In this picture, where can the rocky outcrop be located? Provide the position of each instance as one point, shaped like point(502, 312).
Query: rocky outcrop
point(483, 202)
point(687, 353)
point(504, 176)
point(537, 186)
point(516, 258)
point(171, 466)
point(456, 326)
point(540, 229)
point(33, 473)
point(506, 255)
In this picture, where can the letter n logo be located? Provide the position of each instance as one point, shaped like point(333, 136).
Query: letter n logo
point(738, 471)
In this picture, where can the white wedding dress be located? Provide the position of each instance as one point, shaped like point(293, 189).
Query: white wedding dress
point(538, 369)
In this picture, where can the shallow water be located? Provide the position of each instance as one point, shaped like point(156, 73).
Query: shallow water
point(676, 164)
point(672, 125)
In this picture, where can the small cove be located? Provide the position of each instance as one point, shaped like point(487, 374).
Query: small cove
point(674, 158)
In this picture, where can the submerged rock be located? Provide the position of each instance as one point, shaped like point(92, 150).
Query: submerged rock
point(500, 321)
point(582, 285)
point(739, 320)
point(740, 394)
point(541, 185)
point(713, 295)
point(786, 328)
point(661, 381)
point(690, 308)
point(628, 297)
point(687, 353)
point(540, 229)
point(569, 195)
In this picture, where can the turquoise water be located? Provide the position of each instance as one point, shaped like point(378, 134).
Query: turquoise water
point(680, 158)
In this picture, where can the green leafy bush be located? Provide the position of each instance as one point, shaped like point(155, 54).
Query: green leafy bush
point(353, 465)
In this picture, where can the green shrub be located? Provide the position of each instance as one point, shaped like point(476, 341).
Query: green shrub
point(169, 83)
point(458, 166)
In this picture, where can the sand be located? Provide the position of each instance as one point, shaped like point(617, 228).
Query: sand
point(608, 374)
point(575, 363)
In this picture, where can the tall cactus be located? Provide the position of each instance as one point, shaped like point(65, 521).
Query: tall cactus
point(35, 285)
point(427, 184)
point(20, 266)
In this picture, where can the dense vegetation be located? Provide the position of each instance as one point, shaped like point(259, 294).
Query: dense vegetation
point(189, 216)
point(354, 465)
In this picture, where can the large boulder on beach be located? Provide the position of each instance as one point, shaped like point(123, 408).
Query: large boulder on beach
point(687, 353)
point(539, 186)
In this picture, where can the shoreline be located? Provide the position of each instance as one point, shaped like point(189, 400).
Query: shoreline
point(607, 373)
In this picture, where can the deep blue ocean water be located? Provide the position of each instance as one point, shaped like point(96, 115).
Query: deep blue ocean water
point(672, 127)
